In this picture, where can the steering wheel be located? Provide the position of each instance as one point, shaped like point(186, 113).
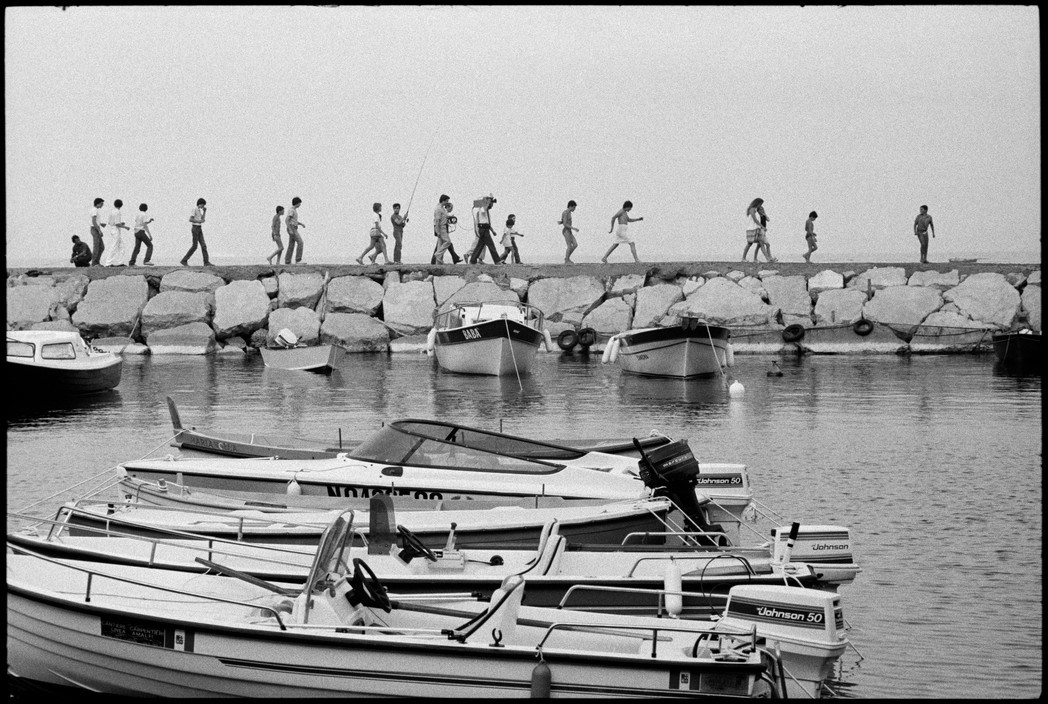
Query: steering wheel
point(367, 590)
point(412, 541)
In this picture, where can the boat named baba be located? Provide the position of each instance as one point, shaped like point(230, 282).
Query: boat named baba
point(497, 338)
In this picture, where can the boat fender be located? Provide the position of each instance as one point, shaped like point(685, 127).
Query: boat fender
point(615, 350)
point(672, 583)
point(729, 357)
point(567, 340)
point(547, 340)
point(862, 327)
point(293, 488)
point(793, 333)
point(605, 357)
point(431, 340)
point(587, 337)
point(541, 679)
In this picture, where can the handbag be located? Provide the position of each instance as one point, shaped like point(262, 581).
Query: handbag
point(751, 236)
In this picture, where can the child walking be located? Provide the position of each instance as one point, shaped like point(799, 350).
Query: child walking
point(378, 237)
point(509, 240)
point(274, 258)
point(809, 235)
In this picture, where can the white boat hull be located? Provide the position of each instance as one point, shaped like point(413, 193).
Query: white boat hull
point(673, 352)
point(497, 356)
point(322, 359)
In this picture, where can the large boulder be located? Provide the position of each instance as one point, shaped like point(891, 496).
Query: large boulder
point(935, 279)
point(479, 292)
point(630, 283)
point(688, 285)
point(355, 294)
point(903, 308)
point(987, 297)
point(408, 307)
point(612, 316)
point(722, 302)
point(190, 281)
point(1031, 305)
point(195, 338)
point(111, 306)
point(300, 290)
point(1034, 278)
point(70, 291)
point(841, 306)
point(241, 307)
point(444, 287)
point(567, 299)
point(653, 302)
point(62, 325)
point(790, 295)
point(356, 332)
point(27, 305)
point(172, 309)
point(304, 322)
point(878, 278)
point(826, 280)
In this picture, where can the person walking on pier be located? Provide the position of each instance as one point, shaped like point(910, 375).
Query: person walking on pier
point(622, 217)
point(809, 235)
point(378, 237)
point(763, 245)
point(293, 237)
point(197, 218)
point(442, 220)
point(96, 233)
point(81, 253)
point(117, 249)
point(921, 225)
point(142, 236)
point(484, 232)
point(509, 240)
point(753, 227)
point(274, 258)
point(397, 221)
point(568, 231)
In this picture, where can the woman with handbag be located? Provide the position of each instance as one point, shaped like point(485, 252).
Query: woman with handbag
point(753, 227)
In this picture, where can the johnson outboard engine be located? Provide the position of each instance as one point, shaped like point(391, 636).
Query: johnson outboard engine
point(671, 470)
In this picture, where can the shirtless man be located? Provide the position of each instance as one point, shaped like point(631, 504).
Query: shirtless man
point(921, 225)
point(622, 217)
point(568, 231)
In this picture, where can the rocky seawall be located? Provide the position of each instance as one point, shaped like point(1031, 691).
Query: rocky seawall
point(778, 308)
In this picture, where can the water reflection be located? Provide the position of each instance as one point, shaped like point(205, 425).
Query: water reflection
point(35, 411)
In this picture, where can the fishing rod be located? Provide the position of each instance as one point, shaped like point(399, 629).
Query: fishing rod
point(426, 156)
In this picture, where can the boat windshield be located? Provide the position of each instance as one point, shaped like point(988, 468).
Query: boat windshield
point(19, 349)
point(435, 444)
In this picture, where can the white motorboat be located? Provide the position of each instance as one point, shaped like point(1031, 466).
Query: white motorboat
point(496, 338)
point(428, 459)
point(505, 526)
point(688, 350)
point(133, 631)
point(58, 363)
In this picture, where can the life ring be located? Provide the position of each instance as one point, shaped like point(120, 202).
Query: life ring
point(587, 337)
point(793, 333)
point(567, 340)
point(862, 327)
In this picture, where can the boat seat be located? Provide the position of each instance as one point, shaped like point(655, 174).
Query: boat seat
point(551, 547)
point(501, 615)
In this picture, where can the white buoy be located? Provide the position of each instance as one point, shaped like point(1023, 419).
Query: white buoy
point(672, 583)
point(736, 389)
point(293, 488)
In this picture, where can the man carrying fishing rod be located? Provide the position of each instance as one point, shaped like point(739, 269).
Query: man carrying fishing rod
point(398, 223)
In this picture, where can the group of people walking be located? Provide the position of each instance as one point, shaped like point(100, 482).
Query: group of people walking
point(444, 223)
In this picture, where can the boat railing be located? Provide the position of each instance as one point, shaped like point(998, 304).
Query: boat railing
point(707, 558)
point(209, 545)
point(693, 535)
point(92, 573)
point(659, 594)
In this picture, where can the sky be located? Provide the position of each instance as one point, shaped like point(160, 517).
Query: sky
point(862, 114)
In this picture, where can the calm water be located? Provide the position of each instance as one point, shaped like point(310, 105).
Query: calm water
point(934, 462)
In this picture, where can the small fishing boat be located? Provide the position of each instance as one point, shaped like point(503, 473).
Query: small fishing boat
point(58, 363)
point(289, 354)
point(429, 459)
point(497, 338)
point(963, 260)
point(683, 583)
point(688, 350)
point(240, 444)
point(504, 526)
point(132, 630)
point(1022, 347)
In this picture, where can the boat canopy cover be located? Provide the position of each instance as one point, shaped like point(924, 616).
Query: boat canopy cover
point(429, 443)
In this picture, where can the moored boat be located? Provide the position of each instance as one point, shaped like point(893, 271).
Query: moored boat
point(1022, 347)
point(58, 363)
point(132, 630)
point(496, 338)
point(287, 353)
point(687, 350)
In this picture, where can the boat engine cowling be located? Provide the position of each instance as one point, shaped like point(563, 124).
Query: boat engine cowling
point(815, 544)
point(671, 470)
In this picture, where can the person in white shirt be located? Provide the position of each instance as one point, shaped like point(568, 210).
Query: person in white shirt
point(142, 236)
point(378, 237)
point(118, 249)
point(483, 221)
point(509, 240)
point(196, 219)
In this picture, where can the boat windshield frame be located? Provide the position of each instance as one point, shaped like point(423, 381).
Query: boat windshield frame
point(453, 318)
point(415, 442)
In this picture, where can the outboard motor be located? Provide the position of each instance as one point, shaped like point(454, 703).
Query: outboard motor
point(671, 470)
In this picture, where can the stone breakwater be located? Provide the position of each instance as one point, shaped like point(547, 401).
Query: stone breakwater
point(791, 308)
